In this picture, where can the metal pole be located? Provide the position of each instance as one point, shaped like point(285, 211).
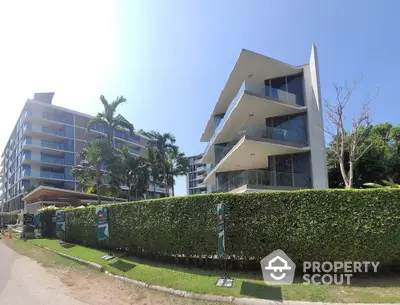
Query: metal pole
point(109, 232)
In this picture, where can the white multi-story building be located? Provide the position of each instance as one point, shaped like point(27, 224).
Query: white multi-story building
point(197, 171)
point(44, 146)
point(266, 129)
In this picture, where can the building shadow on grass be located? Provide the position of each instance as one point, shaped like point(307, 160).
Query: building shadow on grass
point(67, 246)
point(260, 291)
point(122, 266)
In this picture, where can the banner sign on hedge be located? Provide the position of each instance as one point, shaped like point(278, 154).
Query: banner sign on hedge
point(29, 220)
point(221, 229)
point(102, 223)
point(60, 221)
point(37, 221)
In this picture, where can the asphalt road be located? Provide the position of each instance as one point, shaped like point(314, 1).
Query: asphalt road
point(23, 281)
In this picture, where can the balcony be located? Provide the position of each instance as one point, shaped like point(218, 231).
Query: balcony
point(200, 185)
point(201, 169)
point(134, 152)
point(197, 161)
point(252, 104)
point(52, 145)
point(200, 177)
point(119, 135)
point(54, 160)
point(251, 152)
point(265, 133)
point(53, 131)
point(59, 118)
point(52, 175)
point(34, 173)
point(253, 180)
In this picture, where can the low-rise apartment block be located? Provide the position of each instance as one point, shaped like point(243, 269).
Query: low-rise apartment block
point(44, 146)
point(266, 129)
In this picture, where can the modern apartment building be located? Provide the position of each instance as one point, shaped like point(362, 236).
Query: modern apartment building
point(266, 129)
point(197, 171)
point(44, 146)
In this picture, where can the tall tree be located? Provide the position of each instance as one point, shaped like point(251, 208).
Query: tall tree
point(154, 164)
point(164, 144)
point(380, 162)
point(347, 141)
point(91, 173)
point(177, 165)
point(108, 118)
point(132, 172)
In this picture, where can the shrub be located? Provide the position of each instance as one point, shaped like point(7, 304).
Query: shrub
point(309, 225)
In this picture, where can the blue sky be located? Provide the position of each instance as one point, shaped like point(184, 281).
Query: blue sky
point(171, 59)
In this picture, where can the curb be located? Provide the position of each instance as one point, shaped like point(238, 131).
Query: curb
point(203, 297)
point(81, 261)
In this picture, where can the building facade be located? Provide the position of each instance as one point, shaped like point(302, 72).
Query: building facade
point(44, 146)
point(197, 171)
point(266, 129)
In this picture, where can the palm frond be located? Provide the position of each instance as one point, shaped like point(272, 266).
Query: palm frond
point(374, 185)
point(98, 119)
point(119, 100)
point(120, 121)
point(104, 101)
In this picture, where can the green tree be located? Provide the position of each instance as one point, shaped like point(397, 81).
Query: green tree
point(379, 162)
point(164, 144)
point(108, 118)
point(90, 173)
point(132, 172)
point(155, 166)
point(177, 165)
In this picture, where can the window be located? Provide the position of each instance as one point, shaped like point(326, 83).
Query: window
point(295, 86)
point(286, 88)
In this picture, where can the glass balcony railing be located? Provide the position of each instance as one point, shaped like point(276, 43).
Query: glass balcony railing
point(256, 89)
point(50, 116)
point(267, 91)
point(54, 160)
point(52, 175)
point(58, 118)
point(134, 152)
point(53, 131)
point(261, 178)
point(226, 115)
point(98, 128)
point(52, 145)
point(263, 132)
point(126, 137)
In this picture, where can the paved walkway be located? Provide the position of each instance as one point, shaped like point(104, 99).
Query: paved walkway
point(23, 281)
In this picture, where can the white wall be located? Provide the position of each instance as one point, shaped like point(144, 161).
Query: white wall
point(315, 122)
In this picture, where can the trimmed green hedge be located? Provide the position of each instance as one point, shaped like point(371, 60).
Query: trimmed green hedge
point(48, 227)
point(320, 225)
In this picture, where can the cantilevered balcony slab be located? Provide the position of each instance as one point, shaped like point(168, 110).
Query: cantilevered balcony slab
point(251, 153)
point(249, 66)
point(249, 107)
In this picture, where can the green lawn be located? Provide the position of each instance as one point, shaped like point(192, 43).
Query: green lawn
point(383, 290)
point(48, 259)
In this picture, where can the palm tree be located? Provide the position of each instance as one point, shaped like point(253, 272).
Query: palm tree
point(154, 165)
point(131, 171)
point(164, 144)
point(90, 172)
point(177, 166)
point(140, 177)
point(108, 118)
